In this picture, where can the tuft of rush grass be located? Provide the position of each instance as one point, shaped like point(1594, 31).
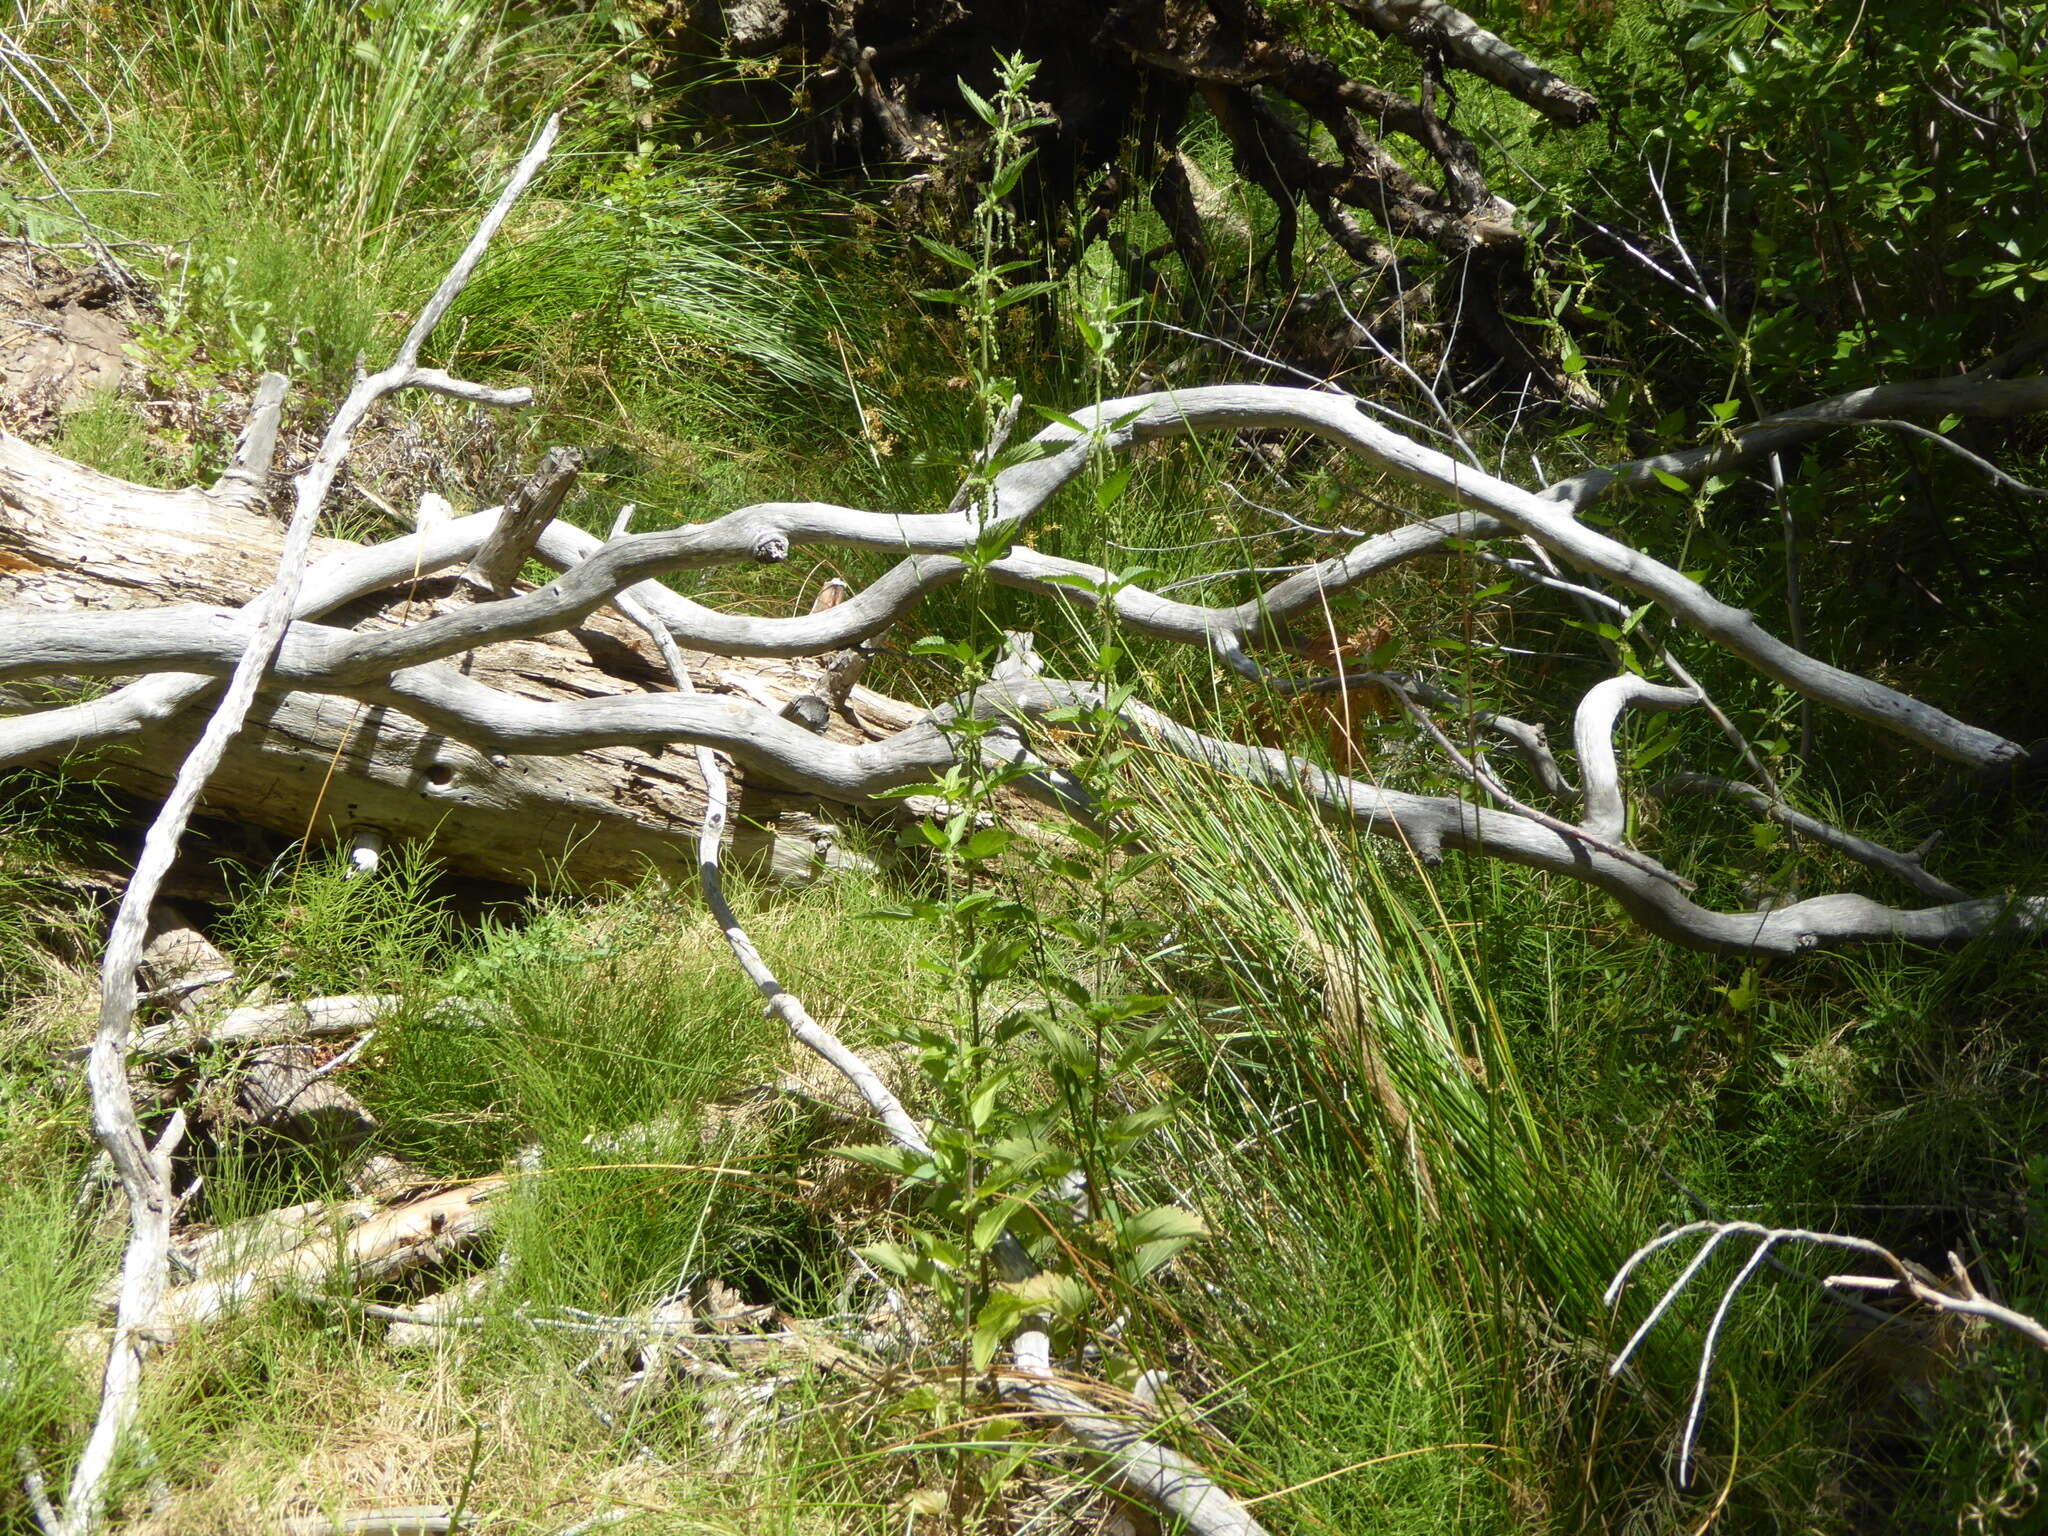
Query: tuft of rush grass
point(668, 264)
point(370, 114)
point(110, 434)
point(312, 926)
point(1414, 1240)
point(51, 1275)
point(293, 169)
point(294, 180)
point(51, 1261)
point(48, 818)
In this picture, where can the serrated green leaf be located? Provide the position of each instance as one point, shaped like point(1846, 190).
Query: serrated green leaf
point(1021, 292)
point(1113, 487)
point(992, 1222)
point(983, 1104)
point(1006, 179)
point(978, 103)
point(1149, 1258)
point(987, 843)
point(948, 253)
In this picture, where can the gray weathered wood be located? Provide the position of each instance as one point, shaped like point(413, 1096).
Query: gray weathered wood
point(283, 1091)
point(75, 541)
point(530, 508)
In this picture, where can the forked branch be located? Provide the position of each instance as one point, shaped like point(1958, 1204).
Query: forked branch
point(145, 1168)
point(1957, 1294)
point(408, 668)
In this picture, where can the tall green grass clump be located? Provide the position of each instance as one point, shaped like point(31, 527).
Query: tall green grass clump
point(51, 1274)
point(669, 285)
point(290, 175)
point(315, 926)
point(615, 1052)
point(367, 114)
point(1416, 1242)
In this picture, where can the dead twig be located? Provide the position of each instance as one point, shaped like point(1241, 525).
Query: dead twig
point(1958, 1294)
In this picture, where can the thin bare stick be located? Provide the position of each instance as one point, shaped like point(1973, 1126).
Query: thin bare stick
point(1905, 866)
point(1156, 1473)
point(780, 1003)
point(415, 1520)
point(35, 1490)
point(145, 1169)
point(1960, 1296)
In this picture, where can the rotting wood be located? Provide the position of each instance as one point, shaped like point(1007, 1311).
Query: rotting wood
point(270, 1024)
point(530, 508)
point(180, 966)
point(356, 1244)
point(286, 1090)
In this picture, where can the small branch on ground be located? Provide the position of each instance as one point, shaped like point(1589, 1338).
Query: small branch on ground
point(1955, 1293)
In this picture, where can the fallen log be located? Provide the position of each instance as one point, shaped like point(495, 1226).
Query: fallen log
point(270, 1024)
point(73, 539)
point(358, 1243)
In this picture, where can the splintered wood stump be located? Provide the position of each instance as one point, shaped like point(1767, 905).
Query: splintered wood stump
point(309, 765)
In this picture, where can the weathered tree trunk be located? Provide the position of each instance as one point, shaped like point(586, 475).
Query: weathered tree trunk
point(71, 538)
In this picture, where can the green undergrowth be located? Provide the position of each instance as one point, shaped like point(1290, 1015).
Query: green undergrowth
point(1423, 1114)
point(686, 321)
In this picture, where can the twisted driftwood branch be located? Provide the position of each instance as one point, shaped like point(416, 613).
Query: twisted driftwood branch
point(213, 640)
point(406, 669)
point(1432, 25)
point(1606, 814)
point(145, 1169)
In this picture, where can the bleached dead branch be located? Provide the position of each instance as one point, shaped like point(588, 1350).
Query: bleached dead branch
point(1606, 812)
point(213, 640)
point(406, 669)
point(1957, 1295)
point(143, 1167)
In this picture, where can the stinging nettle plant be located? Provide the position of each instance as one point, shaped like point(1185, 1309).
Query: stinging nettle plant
point(1023, 1214)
